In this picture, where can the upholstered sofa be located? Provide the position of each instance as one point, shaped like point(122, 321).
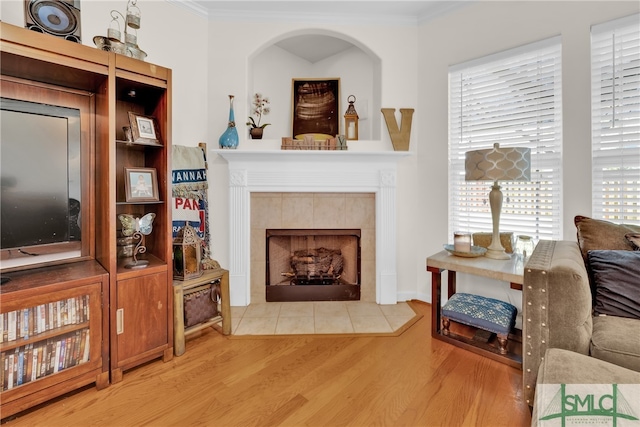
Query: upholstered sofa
point(582, 296)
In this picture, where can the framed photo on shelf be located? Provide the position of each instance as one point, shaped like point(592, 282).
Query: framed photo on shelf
point(141, 185)
point(316, 106)
point(144, 129)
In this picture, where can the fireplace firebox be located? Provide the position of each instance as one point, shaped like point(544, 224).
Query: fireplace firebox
point(313, 264)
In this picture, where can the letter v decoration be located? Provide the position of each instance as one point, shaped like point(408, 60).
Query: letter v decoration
point(399, 137)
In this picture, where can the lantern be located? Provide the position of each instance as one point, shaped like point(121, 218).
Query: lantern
point(351, 120)
point(133, 15)
point(186, 254)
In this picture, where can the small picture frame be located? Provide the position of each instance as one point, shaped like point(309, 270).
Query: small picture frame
point(144, 129)
point(141, 185)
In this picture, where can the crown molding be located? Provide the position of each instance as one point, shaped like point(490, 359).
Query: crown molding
point(192, 7)
point(437, 9)
point(312, 17)
point(443, 8)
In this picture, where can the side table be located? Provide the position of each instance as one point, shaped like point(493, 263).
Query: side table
point(181, 288)
point(510, 270)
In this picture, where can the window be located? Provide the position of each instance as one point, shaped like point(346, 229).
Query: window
point(615, 115)
point(513, 98)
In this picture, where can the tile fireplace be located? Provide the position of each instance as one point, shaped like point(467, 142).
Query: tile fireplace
point(259, 173)
point(334, 214)
point(312, 265)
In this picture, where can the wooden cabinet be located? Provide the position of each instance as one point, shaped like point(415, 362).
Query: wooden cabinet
point(142, 314)
point(141, 297)
point(53, 333)
point(131, 309)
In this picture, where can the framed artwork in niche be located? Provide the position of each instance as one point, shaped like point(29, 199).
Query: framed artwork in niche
point(316, 106)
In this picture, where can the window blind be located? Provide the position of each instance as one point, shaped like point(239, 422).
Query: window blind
point(513, 98)
point(615, 113)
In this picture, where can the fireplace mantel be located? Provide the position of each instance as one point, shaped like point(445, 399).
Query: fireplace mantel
point(311, 171)
point(311, 155)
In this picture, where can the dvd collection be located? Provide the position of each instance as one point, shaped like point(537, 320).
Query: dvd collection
point(51, 354)
point(36, 360)
point(44, 317)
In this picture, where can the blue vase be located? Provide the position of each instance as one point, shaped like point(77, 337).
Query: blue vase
point(229, 139)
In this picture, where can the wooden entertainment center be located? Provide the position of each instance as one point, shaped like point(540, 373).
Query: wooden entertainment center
point(117, 317)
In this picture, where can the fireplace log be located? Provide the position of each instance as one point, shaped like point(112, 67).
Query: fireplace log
point(319, 262)
point(303, 259)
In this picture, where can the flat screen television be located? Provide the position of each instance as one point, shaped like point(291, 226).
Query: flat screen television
point(40, 180)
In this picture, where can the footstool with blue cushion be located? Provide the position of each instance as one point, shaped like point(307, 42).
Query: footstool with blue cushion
point(480, 312)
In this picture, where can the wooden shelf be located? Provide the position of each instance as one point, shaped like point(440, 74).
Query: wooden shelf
point(214, 321)
point(137, 144)
point(161, 202)
point(5, 346)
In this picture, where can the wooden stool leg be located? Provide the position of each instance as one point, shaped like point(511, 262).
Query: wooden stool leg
point(445, 325)
point(178, 320)
point(502, 343)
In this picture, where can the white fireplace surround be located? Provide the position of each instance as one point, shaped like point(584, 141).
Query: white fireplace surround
point(316, 172)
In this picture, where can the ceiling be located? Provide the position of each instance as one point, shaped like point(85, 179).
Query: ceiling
point(314, 48)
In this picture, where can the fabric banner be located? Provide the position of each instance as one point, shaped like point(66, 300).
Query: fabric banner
point(189, 191)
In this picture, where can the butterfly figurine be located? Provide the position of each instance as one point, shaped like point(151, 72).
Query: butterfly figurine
point(131, 224)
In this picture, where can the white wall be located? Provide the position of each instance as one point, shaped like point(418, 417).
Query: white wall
point(481, 29)
point(276, 85)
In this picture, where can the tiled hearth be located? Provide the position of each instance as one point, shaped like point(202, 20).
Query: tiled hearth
point(320, 317)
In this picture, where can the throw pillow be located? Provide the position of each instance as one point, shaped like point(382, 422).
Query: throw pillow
point(616, 276)
point(634, 238)
point(596, 234)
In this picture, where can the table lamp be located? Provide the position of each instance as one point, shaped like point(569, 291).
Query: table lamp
point(497, 164)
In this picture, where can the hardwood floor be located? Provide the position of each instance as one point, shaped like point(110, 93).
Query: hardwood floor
point(408, 380)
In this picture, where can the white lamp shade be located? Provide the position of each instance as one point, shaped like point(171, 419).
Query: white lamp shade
point(498, 164)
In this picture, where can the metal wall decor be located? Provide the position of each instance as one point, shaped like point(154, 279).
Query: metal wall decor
point(115, 42)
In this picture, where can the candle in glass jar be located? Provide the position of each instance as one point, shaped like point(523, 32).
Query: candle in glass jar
point(462, 241)
point(524, 246)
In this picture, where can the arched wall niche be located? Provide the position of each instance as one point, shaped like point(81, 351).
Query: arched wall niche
point(271, 70)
